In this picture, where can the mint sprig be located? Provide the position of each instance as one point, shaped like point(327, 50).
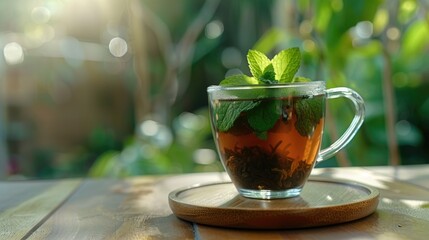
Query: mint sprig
point(261, 115)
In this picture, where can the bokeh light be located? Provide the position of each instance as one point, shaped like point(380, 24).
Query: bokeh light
point(13, 53)
point(36, 35)
point(155, 133)
point(204, 156)
point(337, 5)
point(232, 72)
point(40, 15)
point(214, 29)
point(118, 47)
point(231, 57)
point(308, 45)
point(393, 33)
point(305, 28)
point(364, 29)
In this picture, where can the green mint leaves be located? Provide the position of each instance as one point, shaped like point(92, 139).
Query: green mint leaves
point(258, 62)
point(309, 112)
point(228, 112)
point(262, 115)
point(286, 63)
point(281, 69)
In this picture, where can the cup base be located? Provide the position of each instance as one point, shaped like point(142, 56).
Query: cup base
point(269, 194)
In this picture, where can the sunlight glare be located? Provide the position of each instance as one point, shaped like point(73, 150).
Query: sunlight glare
point(387, 200)
point(369, 178)
point(416, 204)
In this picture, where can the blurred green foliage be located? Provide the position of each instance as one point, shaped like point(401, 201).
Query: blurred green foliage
point(157, 149)
point(378, 48)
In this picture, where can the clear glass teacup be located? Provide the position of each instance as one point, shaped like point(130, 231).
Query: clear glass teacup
point(268, 137)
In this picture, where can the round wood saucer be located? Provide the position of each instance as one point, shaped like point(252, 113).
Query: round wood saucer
point(322, 202)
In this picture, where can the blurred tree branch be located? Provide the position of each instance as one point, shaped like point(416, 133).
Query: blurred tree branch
point(142, 91)
point(389, 103)
point(178, 59)
point(389, 93)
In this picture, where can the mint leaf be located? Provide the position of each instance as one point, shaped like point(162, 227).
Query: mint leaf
point(227, 112)
point(261, 117)
point(309, 112)
point(286, 63)
point(239, 79)
point(268, 76)
point(257, 62)
point(264, 116)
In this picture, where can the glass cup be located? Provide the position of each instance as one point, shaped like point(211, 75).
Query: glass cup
point(268, 137)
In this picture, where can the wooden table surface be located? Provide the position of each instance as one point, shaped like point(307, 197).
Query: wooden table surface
point(137, 208)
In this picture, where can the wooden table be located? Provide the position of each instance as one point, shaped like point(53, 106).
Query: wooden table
point(137, 208)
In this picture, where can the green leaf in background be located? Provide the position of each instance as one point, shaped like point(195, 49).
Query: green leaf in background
point(104, 165)
point(323, 12)
point(372, 48)
point(269, 40)
point(407, 10)
point(257, 62)
point(416, 39)
point(264, 116)
point(381, 19)
point(350, 13)
point(334, 19)
point(286, 63)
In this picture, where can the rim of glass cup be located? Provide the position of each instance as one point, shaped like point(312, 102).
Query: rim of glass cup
point(266, 86)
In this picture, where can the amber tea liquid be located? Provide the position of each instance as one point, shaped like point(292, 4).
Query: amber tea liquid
point(276, 160)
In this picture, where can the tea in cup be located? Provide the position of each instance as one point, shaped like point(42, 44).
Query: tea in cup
point(268, 137)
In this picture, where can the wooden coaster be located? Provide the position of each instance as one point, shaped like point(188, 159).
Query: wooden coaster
point(322, 202)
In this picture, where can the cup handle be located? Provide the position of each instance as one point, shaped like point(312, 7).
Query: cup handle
point(357, 121)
